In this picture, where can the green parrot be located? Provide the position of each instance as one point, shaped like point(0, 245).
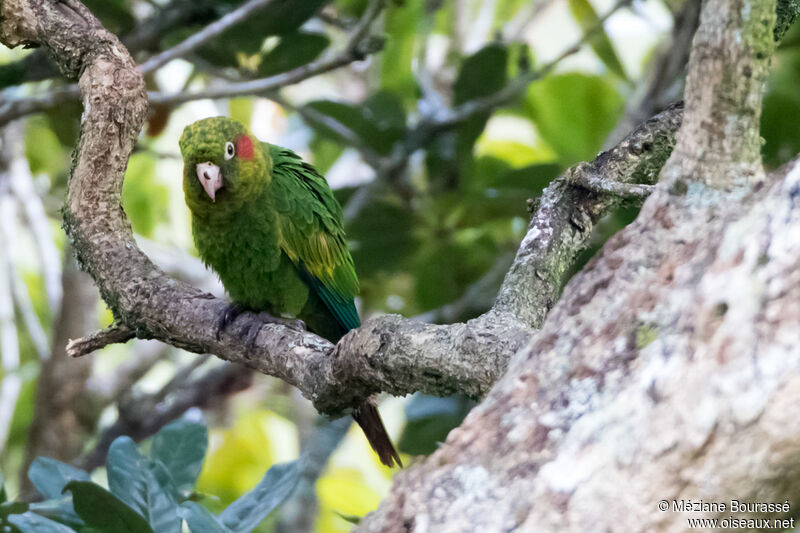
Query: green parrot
point(268, 224)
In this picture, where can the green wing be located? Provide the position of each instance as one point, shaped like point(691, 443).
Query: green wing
point(312, 233)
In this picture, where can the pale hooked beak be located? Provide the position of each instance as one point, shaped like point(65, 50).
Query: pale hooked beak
point(210, 178)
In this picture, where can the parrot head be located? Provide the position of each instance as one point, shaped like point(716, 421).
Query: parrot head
point(224, 165)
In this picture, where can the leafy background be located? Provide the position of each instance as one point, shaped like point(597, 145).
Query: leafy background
point(437, 230)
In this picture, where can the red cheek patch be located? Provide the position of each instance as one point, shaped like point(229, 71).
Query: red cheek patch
point(244, 147)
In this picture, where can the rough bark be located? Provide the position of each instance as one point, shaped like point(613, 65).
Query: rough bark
point(666, 369)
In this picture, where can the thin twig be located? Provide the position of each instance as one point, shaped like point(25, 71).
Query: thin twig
point(117, 333)
point(18, 185)
point(360, 36)
point(316, 452)
point(181, 378)
point(582, 176)
point(233, 18)
point(337, 21)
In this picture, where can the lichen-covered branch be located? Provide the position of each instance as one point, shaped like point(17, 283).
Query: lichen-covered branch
point(566, 215)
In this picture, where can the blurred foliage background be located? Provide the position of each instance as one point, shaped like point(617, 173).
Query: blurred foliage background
point(435, 208)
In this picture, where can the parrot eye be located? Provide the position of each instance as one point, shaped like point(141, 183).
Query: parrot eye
point(230, 151)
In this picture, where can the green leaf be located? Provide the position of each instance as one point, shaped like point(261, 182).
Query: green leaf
point(3, 495)
point(181, 447)
point(144, 485)
point(12, 74)
point(482, 74)
point(284, 16)
point(65, 121)
point(446, 267)
point(249, 510)
point(104, 512)
point(293, 50)
point(574, 113)
point(382, 237)
point(532, 178)
point(33, 523)
point(115, 15)
point(781, 109)
point(43, 149)
point(380, 121)
point(779, 121)
point(588, 20)
point(49, 476)
point(326, 153)
point(200, 519)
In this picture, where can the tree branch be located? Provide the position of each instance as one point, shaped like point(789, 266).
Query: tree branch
point(117, 333)
point(566, 215)
point(600, 185)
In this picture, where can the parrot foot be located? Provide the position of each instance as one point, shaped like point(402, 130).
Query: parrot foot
point(233, 310)
point(227, 316)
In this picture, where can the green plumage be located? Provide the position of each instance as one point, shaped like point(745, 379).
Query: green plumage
point(268, 224)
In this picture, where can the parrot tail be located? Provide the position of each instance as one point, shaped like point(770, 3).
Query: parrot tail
point(370, 421)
